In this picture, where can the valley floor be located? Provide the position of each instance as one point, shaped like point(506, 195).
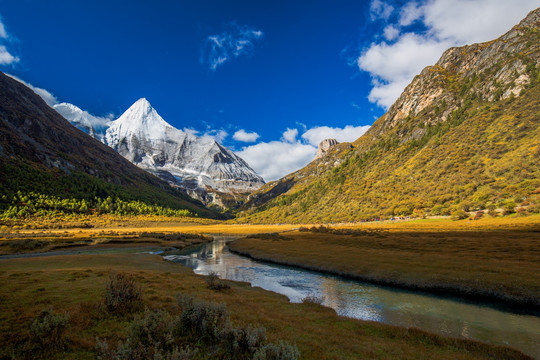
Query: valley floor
point(491, 260)
point(75, 283)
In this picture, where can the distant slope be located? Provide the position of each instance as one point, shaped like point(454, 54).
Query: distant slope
point(42, 152)
point(465, 134)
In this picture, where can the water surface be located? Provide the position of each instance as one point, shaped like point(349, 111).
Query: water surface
point(443, 315)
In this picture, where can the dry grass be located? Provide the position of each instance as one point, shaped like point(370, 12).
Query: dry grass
point(77, 283)
point(36, 241)
point(497, 265)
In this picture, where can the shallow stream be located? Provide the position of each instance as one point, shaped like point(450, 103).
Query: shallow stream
point(448, 316)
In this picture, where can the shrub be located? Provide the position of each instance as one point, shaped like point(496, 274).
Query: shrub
point(313, 299)
point(268, 236)
point(247, 339)
point(153, 329)
point(122, 294)
point(27, 245)
point(478, 215)
point(205, 320)
point(215, 283)
point(279, 351)
point(493, 213)
point(202, 326)
point(509, 207)
point(134, 351)
point(534, 209)
point(48, 327)
point(459, 215)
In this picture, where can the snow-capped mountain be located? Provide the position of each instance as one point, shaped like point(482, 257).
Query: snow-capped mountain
point(198, 164)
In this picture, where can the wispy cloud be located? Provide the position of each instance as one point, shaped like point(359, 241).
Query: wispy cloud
point(235, 41)
point(6, 56)
point(244, 136)
point(47, 96)
point(218, 135)
point(380, 10)
point(404, 51)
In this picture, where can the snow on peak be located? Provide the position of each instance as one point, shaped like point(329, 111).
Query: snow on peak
point(142, 120)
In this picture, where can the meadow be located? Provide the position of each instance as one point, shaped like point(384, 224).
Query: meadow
point(75, 283)
point(495, 260)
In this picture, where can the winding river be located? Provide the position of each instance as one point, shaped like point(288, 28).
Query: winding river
point(443, 315)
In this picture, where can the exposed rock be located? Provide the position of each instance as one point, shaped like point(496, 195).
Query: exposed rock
point(324, 146)
point(488, 70)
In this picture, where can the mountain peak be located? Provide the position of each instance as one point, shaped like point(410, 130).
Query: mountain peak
point(141, 110)
point(142, 102)
point(142, 118)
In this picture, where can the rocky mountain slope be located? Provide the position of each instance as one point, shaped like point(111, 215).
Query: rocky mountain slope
point(465, 134)
point(42, 152)
point(196, 164)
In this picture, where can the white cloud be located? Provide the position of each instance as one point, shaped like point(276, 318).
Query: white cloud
point(49, 98)
point(380, 10)
point(235, 41)
point(347, 134)
point(290, 135)
point(3, 32)
point(81, 118)
point(469, 21)
point(390, 32)
point(6, 57)
point(243, 136)
point(393, 65)
point(275, 159)
point(409, 14)
point(218, 135)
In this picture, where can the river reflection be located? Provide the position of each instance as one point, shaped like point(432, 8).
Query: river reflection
point(447, 316)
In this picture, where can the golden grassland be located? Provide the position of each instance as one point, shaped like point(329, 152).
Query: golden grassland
point(489, 260)
point(94, 224)
point(76, 284)
point(502, 252)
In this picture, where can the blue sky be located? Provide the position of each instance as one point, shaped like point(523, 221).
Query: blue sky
point(269, 79)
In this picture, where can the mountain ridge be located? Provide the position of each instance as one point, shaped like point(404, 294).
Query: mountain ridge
point(463, 134)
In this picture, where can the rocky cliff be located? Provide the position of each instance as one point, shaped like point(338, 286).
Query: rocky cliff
point(324, 146)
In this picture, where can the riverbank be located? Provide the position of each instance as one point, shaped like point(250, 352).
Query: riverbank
point(497, 265)
point(75, 284)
